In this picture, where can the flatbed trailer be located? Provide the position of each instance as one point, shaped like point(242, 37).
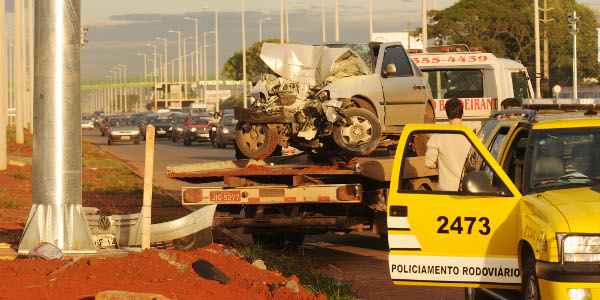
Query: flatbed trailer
point(291, 197)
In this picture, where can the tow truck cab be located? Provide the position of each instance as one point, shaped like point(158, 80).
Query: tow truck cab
point(481, 80)
point(523, 215)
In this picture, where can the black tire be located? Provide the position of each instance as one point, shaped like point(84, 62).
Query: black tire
point(530, 289)
point(109, 141)
point(136, 141)
point(362, 136)
point(187, 142)
point(257, 141)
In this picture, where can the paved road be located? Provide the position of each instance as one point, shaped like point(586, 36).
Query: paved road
point(358, 259)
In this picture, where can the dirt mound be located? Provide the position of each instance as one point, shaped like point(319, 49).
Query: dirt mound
point(146, 272)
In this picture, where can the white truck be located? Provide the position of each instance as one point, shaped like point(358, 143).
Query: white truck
point(481, 80)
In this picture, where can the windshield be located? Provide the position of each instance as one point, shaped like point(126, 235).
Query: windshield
point(121, 122)
point(199, 121)
point(162, 122)
point(565, 158)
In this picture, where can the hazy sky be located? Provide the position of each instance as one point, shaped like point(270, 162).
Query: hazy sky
point(119, 29)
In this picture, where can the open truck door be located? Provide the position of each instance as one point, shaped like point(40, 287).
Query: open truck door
point(461, 236)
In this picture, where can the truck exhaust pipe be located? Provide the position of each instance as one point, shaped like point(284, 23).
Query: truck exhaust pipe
point(56, 215)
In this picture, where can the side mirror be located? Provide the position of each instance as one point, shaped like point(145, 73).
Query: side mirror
point(479, 182)
point(389, 70)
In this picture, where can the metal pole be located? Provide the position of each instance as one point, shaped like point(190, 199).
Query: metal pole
point(155, 78)
point(217, 67)
point(282, 21)
point(244, 58)
point(125, 89)
point(57, 216)
point(260, 30)
point(204, 65)
point(4, 88)
point(30, 62)
point(185, 69)
point(165, 66)
point(337, 21)
point(287, 22)
point(323, 22)
point(370, 19)
point(180, 62)
point(538, 64)
point(575, 76)
point(19, 72)
point(424, 25)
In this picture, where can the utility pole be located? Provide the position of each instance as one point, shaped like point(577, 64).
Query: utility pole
point(425, 25)
point(217, 67)
point(337, 21)
point(166, 61)
point(282, 21)
point(323, 22)
point(3, 89)
point(538, 64)
point(370, 19)
point(19, 72)
point(287, 21)
point(145, 65)
point(197, 46)
point(204, 65)
point(179, 54)
point(573, 29)
point(155, 48)
point(244, 58)
point(30, 62)
point(546, 20)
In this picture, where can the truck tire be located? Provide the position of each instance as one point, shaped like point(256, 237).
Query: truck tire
point(530, 289)
point(256, 141)
point(187, 142)
point(361, 136)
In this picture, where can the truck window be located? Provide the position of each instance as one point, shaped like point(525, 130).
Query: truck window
point(453, 166)
point(520, 82)
point(397, 56)
point(446, 84)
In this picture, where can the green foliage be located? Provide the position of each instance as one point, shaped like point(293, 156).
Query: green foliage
point(506, 29)
point(232, 70)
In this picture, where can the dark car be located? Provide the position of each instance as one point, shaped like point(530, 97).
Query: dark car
point(163, 127)
point(223, 132)
point(196, 129)
point(122, 129)
point(178, 128)
point(144, 121)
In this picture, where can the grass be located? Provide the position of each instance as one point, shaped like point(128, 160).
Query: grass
point(289, 265)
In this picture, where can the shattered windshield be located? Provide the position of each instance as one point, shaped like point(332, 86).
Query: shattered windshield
point(565, 158)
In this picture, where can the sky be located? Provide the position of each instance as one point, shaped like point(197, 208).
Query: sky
point(120, 29)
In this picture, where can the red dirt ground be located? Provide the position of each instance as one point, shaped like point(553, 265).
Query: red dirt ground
point(144, 272)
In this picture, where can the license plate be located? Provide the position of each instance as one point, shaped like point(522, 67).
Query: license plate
point(205, 135)
point(226, 196)
point(125, 138)
point(161, 132)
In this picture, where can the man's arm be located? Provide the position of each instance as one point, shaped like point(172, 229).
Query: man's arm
point(432, 153)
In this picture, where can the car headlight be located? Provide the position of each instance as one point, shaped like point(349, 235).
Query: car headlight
point(225, 130)
point(170, 128)
point(193, 129)
point(580, 248)
point(179, 129)
point(214, 129)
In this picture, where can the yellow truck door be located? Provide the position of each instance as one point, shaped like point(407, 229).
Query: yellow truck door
point(465, 233)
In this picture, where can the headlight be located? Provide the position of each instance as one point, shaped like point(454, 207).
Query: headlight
point(193, 129)
point(137, 132)
point(225, 130)
point(580, 248)
point(179, 129)
point(170, 128)
point(214, 129)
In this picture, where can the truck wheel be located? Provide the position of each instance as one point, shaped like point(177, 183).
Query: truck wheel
point(530, 289)
point(361, 135)
point(256, 141)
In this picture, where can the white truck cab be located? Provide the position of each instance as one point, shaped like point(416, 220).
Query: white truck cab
point(481, 80)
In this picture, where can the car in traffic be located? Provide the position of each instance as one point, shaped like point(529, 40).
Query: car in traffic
point(87, 123)
point(122, 129)
point(144, 121)
point(178, 128)
point(163, 127)
point(523, 217)
point(103, 124)
point(196, 129)
point(222, 133)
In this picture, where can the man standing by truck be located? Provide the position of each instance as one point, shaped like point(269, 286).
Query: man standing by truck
point(448, 152)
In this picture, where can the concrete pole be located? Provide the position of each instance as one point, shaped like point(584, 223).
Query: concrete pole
point(4, 88)
point(282, 21)
point(370, 19)
point(538, 63)
point(147, 197)
point(31, 62)
point(575, 76)
point(217, 63)
point(323, 22)
point(57, 216)
point(125, 89)
point(185, 69)
point(19, 72)
point(337, 21)
point(244, 56)
point(145, 65)
point(165, 66)
point(287, 22)
point(424, 25)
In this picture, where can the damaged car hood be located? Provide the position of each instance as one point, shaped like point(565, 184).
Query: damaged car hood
point(312, 65)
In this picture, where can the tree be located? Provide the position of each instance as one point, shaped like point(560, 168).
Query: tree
point(506, 29)
point(233, 70)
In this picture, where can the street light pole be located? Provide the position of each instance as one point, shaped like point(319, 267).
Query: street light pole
point(197, 46)
point(217, 63)
point(370, 19)
point(19, 72)
point(337, 21)
point(538, 63)
point(261, 22)
point(155, 48)
point(323, 22)
point(244, 58)
point(179, 53)
point(166, 61)
point(282, 21)
point(425, 25)
point(145, 65)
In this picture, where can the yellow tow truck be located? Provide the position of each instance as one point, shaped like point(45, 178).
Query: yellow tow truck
point(525, 215)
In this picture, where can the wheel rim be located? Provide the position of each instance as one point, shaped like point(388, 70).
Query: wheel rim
point(531, 292)
point(358, 131)
point(254, 139)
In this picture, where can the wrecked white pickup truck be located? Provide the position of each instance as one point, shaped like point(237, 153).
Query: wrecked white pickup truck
point(332, 100)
